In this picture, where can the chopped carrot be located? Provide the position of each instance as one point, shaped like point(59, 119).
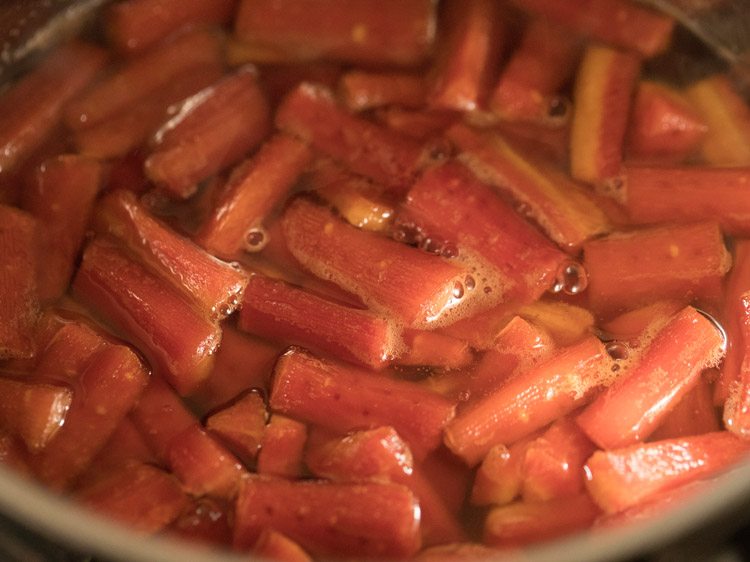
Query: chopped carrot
point(367, 90)
point(241, 426)
point(282, 447)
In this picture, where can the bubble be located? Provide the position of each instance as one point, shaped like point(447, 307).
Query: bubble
point(470, 283)
point(458, 290)
point(256, 239)
point(558, 107)
point(407, 233)
point(449, 251)
point(571, 279)
point(617, 350)
point(487, 289)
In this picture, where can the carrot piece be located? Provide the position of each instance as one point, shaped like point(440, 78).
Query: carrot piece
point(141, 496)
point(179, 341)
point(449, 203)
point(439, 523)
point(553, 463)
point(241, 426)
point(682, 262)
point(664, 126)
point(694, 414)
point(676, 194)
point(203, 465)
point(135, 25)
point(566, 323)
point(499, 477)
point(604, 85)
point(737, 406)
point(126, 444)
point(566, 213)
point(417, 124)
point(343, 398)
point(128, 129)
point(361, 90)
point(529, 85)
point(215, 287)
point(727, 142)
point(436, 350)
point(141, 76)
point(34, 411)
point(276, 310)
point(398, 32)
point(255, 187)
point(518, 346)
point(241, 362)
point(456, 552)
point(160, 416)
point(282, 447)
point(638, 28)
point(377, 455)
point(61, 196)
point(18, 284)
point(212, 129)
point(630, 410)
point(205, 520)
point(390, 277)
point(522, 523)
point(530, 400)
point(311, 113)
point(631, 326)
point(373, 519)
point(108, 389)
point(626, 477)
point(272, 545)
point(734, 314)
point(31, 109)
point(468, 54)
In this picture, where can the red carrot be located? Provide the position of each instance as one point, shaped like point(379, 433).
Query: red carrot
point(623, 478)
point(61, 195)
point(375, 520)
point(522, 523)
point(397, 32)
point(215, 287)
point(737, 406)
point(178, 340)
point(311, 113)
point(389, 277)
point(272, 545)
point(34, 411)
point(241, 426)
point(282, 447)
point(638, 28)
point(530, 400)
point(276, 310)
point(566, 212)
point(213, 129)
point(686, 194)
point(417, 124)
point(342, 398)
point(107, 390)
point(362, 90)
point(18, 284)
point(681, 262)
point(135, 25)
point(468, 54)
point(31, 109)
point(126, 444)
point(255, 187)
point(138, 495)
point(498, 478)
point(629, 410)
point(694, 414)
point(205, 520)
point(436, 350)
point(141, 76)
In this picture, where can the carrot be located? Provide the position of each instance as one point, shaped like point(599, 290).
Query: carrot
point(241, 426)
point(272, 545)
point(362, 90)
point(692, 415)
point(736, 407)
point(343, 398)
point(205, 521)
point(282, 447)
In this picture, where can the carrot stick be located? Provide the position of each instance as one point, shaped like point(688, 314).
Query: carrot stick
point(566, 212)
point(737, 406)
point(205, 521)
point(681, 262)
point(282, 447)
point(398, 32)
point(178, 340)
point(135, 25)
point(688, 194)
point(694, 414)
point(343, 398)
point(213, 286)
point(311, 113)
point(436, 350)
point(32, 108)
point(389, 277)
point(276, 310)
point(530, 400)
point(375, 520)
point(241, 426)
point(61, 195)
point(622, 478)
point(638, 28)
point(363, 90)
point(272, 545)
point(213, 129)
